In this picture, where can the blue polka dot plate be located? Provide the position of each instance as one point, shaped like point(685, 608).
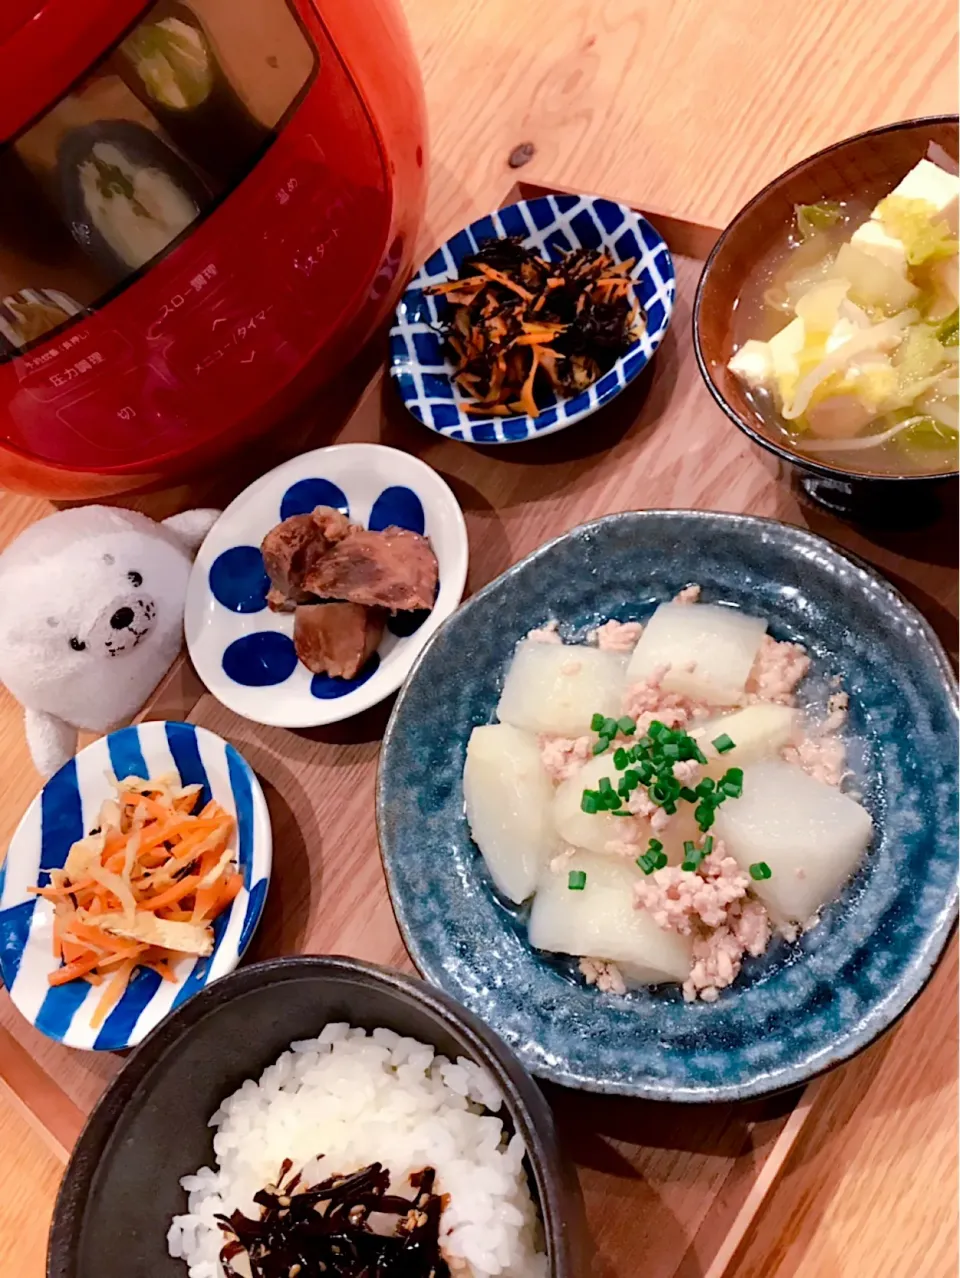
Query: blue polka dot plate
point(244, 652)
point(801, 1007)
point(553, 225)
point(65, 810)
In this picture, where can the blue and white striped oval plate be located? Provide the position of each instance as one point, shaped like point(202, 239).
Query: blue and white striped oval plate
point(553, 225)
point(67, 808)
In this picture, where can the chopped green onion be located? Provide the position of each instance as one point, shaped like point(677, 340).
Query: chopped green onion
point(645, 863)
point(611, 801)
point(654, 846)
point(609, 728)
point(760, 870)
point(577, 880)
point(723, 743)
point(589, 802)
point(644, 743)
point(671, 751)
point(733, 774)
point(605, 785)
point(692, 856)
point(620, 759)
point(656, 730)
point(691, 796)
point(704, 816)
point(597, 722)
point(601, 745)
point(631, 778)
point(670, 808)
point(698, 754)
point(626, 725)
point(706, 787)
point(620, 812)
point(708, 845)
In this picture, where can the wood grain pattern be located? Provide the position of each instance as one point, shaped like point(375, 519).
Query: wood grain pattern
point(688, 110)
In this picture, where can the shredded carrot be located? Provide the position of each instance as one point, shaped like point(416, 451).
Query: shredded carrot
point(157, 866)
point(499, 278)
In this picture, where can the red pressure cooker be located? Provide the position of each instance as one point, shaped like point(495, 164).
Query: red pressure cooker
point(206, 208)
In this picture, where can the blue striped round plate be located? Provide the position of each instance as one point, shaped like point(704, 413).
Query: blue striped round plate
point(553, 225)
point(67, 808)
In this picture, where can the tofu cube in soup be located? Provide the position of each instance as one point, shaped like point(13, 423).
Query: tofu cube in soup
point(508, 800)
point(708, 651)
point(758, 732)
point(600, 921)
point(558, 688)
point(810, 835)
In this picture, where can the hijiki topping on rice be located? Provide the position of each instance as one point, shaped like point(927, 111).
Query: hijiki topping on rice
point(661, 797)
point(306, 1231)
point(362, 1154)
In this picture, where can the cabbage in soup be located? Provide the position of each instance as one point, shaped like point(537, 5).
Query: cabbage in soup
point(847, 338)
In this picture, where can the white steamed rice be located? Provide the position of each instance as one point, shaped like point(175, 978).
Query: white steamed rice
point(359, 1098)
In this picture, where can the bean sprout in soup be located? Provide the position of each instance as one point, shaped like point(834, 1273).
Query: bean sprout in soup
point(846, 336)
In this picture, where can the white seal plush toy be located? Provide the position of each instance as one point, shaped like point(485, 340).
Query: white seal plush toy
point(91, 617)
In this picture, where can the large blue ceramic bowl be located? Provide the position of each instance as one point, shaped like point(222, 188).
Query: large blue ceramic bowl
point(553, 225)
point(800, 1008)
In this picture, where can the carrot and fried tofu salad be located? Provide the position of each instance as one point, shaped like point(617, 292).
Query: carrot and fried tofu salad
point(143, 888)
point(524, 329)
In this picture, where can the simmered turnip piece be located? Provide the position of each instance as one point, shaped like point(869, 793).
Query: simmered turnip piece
point(758, 732)
point(558, 688)
point(600, 921)
point(708, 651)
point(595, 831)
point(810, 835)
point(583, 829)
point(508, 798)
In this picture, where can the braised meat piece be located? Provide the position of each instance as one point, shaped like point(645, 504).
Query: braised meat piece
point(277, 601)
point(394, 569)
point(337, 638)
point(290, 549)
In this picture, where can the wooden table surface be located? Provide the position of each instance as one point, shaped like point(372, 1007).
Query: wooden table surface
point(688, 109)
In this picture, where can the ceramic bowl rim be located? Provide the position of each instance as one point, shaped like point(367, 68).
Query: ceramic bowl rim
point(810, 465)
point(395, 368)
point(375, 683)
point(913, 984)
point(523, 1099)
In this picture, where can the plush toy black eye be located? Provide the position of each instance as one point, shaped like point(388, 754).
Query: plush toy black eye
point(135, 578)
point(77, 644)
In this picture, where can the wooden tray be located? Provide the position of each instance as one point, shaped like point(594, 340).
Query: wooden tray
point(669, 1189)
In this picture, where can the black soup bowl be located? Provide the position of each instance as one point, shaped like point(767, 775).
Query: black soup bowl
point(121, 1187)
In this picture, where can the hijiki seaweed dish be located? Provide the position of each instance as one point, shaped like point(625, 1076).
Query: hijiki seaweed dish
point(309, 1231)
point(524, 330)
